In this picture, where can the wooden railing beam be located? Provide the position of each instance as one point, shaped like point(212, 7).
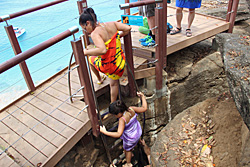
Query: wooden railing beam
point(127, 11)
point(23, 12)
point(85, 81)
point(82, 4)
point(36, 49)
point(233, 15)
point(16, 48)
point(138, 3)
point(129, 58)
point(161, 39)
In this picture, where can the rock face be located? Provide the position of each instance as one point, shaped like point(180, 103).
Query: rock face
point(192, 82)
point(235, 52)
point(172, 148)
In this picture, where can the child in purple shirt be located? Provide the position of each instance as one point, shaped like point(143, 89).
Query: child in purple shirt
point(129, 128)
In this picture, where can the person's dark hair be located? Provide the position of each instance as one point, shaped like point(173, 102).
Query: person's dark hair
point(88, 14)
point(117, 107)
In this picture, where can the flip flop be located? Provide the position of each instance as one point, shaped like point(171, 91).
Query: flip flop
point(188, 32)
point(127, 165)
point(175, 31)
point(103, 78)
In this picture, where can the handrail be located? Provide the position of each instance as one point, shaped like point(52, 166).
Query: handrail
point(17, 14)
point(138, 3)
point(36, 49)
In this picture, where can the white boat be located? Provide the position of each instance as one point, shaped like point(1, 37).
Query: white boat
point(19, 31)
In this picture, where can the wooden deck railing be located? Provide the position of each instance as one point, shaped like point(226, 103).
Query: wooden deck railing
point(82, 69)
point(14, 42)
point(160, 35)
point(231, 13)
point(85, 81)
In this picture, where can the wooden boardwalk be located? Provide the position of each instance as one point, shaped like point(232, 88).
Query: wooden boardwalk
point(42, 127)
point(203, 27)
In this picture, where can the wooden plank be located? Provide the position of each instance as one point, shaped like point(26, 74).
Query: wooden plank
point(31, 137)
point(15, 155)
point(36, 129)
point(62, 97)
point(50, 121)
point(55, 112)
point(5, 160)
point(25, 150)
point(195, 39)
point(30, 122)
point(144, 73)
point(59, 153)
point(74, 86)
point(65, 107)
point(14, 164)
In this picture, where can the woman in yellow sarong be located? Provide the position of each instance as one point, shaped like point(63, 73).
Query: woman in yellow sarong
point(107, 56)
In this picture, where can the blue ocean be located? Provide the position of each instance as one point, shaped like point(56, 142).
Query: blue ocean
point(40, 26)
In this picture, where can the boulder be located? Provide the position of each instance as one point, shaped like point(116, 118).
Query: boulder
point(194, 82)
point(235, 52)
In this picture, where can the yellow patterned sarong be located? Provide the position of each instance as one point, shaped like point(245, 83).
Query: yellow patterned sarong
point(112, 63)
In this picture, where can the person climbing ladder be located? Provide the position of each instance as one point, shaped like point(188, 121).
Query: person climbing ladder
point(107, 56)
point(129, 128)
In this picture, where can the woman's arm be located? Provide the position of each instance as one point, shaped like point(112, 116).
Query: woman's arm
point(100, 48)
point(117, 134)
point(144, 106)
point(122, 27)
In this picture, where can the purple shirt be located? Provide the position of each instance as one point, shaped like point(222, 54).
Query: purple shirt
point(131, 134)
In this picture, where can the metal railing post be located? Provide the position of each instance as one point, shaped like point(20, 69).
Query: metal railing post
point(161, 39)
point(129, 57)
point(16, 48)
point(233, 15)
point(85, 81)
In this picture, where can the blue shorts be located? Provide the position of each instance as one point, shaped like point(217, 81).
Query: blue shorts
point(191, 4)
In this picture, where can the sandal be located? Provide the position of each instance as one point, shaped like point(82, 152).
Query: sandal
point(188, 32)
point(103, 78)
point(175, 31)
point(127, 165)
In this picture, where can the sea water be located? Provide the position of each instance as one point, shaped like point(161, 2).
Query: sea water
point(40, 26)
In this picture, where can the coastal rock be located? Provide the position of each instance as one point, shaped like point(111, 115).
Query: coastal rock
point(172, 148)
point(235, 51)
point(205, 79)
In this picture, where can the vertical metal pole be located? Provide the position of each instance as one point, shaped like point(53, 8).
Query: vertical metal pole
point(127, 10)
point(229, 9)
point(82, 4)
point(129, 57)
point(16, 48)
point(233, 15)
point(84, 80)
point(160, 38)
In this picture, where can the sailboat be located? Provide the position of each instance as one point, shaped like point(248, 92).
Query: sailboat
point(19, 31)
